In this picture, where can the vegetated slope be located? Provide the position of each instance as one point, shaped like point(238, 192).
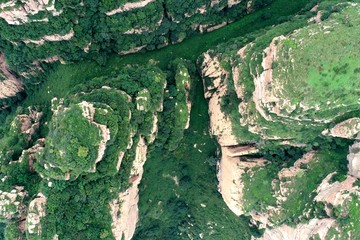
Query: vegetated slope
point(285, 108)
point(73, 172)
point(35, 32)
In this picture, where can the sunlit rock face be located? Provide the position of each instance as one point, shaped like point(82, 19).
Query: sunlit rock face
point(67, 31)
point(272, 92)
point(10, 85)
point(11, 203)
point(354, 159)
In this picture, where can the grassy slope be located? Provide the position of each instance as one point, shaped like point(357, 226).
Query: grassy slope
point(314, 78)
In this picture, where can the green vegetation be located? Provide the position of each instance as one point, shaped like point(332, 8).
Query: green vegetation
point(72, 143)
point(296, 85)
point(262, 183)
point(64, 77)
point(347, 216)
point(152, 26)
point(316, 79)
point(178, 195)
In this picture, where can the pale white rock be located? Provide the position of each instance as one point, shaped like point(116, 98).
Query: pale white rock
point(144, 29)
point(214, 2)
point(133, 50)
point(36, 212)
point(11, 203)
point(346, 129)
point(210, 29)
point(27, 123)
point(48, 60)
point(51, 38)
point(10, 85)
point(262, 95)
point(286, 177)
point(87, 47)
point(354, 159)
point(88, 111)
point(17, 15)
point(187, 86)
point(301, 231)
point(200, 10)
point(335, 193)
point(220, 124)
point(154, 128)
point(233, 2)
point(129, 6)
point(230, 170)
point(124, 210)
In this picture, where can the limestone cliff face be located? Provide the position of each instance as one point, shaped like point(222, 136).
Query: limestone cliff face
point(354, 159)
point(347, 129)
point(315, 227)
point(124, 209)
point(230, 170)
point(10, 85)
point(17, 14)
point(260, 93)
point(220, 124)
point(72, 31)
point(11, 203)
point(35, 213)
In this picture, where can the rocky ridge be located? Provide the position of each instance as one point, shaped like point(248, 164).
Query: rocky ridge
point(246, 121)
point(10, 85)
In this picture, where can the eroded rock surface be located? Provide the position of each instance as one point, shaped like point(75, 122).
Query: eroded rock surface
point(220, 124)
point(314, 227)
point(10, 85)
point(17, 14)
point(354, 159)
point(35, 213)
point(230, 170)
point(335, 193)
point(129, 6)
point(51, 38)
point(346, 129)
point(11, 203)
point(124, 209)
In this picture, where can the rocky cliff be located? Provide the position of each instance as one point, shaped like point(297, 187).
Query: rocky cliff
point(270, 101)
point(10, 84)
point(99, 132)
point(73, 30)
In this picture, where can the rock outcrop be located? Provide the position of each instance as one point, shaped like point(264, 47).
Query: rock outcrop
point(88, 112)
point(273, 92)
point(346, 129)
point(17, 14)
point(230, 170)
point(50, 38)
point(35, 213)
point(334, 194)
point(129, 6)
point(10, 85)
point(72, 32)
point(57, 166)
point(27, 124)
point(124, 209)
point(220, 124)
point(354, 159)
point(11, 203)
point(315, 227)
